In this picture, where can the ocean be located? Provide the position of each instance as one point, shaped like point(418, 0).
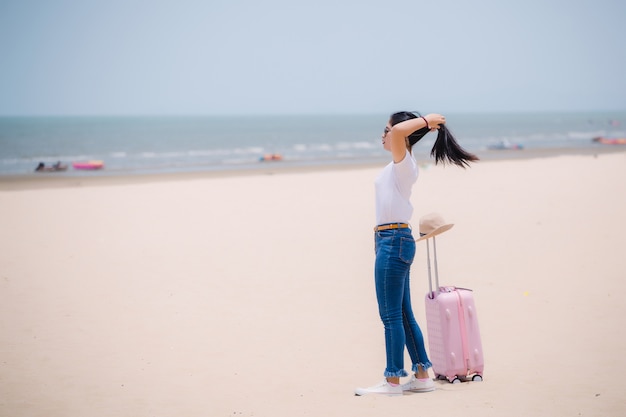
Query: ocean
point(159, 144)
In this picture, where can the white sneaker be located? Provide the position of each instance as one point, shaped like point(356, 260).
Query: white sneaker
point(384, 388)
point(419, 385)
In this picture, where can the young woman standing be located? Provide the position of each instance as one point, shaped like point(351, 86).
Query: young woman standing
point(395, 246)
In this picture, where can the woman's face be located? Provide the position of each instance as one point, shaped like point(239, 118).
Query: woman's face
point(385, 136)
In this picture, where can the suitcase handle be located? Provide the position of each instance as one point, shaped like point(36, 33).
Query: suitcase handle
point(431, 294)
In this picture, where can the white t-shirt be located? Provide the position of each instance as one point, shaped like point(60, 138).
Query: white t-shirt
point(393, 191)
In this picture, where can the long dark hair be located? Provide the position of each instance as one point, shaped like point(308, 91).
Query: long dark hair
point(445, 150)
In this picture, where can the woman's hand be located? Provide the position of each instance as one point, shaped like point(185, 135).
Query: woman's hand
point(435, 120)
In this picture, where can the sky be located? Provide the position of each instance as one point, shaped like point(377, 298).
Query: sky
point(203, 57)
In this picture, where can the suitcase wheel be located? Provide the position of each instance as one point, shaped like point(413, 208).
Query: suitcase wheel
point(452, 380)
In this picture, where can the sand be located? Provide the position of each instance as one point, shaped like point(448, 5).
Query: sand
point(252, 295)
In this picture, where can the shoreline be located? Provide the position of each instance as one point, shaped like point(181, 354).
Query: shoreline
point(51, 180)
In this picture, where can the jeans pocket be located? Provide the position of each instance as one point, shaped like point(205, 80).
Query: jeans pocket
point(407, 249)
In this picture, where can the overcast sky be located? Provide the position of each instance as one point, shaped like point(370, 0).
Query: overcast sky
point(324, 56)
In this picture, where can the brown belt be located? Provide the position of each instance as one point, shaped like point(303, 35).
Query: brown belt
point(391, 226)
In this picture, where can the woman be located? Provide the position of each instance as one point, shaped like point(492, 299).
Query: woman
point(395, 246)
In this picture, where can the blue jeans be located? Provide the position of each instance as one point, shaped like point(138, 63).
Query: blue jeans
point(395, 250)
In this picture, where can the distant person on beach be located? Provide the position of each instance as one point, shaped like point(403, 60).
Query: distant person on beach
point(58, 166)
point(395, 246)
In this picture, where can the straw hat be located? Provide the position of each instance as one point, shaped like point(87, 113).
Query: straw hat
point(431, 225)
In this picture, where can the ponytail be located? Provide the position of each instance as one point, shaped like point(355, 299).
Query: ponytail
point(447, 150)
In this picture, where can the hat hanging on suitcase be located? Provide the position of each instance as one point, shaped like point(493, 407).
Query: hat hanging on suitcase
point(451, 321)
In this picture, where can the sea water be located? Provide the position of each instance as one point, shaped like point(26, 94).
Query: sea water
point(156, 144)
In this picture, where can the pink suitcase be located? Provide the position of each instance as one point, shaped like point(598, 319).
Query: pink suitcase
point(453, 334)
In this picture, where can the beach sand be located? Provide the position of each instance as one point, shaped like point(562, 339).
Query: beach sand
point(253, 295)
